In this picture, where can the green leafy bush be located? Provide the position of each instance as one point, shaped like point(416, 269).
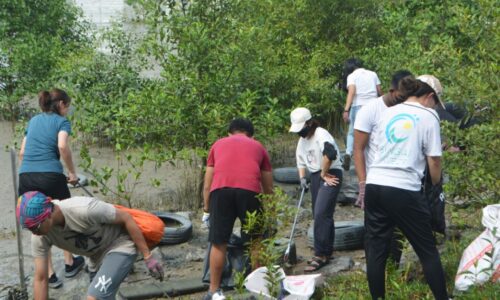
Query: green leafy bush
point(474, 172)
point(36, 35)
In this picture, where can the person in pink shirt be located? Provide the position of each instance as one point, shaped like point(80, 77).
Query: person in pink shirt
point(238, 169)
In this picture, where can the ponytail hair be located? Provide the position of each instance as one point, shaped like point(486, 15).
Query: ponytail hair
point(49, 101)
point(409, 86)
point(44, 101)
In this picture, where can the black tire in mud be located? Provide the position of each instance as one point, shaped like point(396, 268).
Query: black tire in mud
point(288, 175)
point(178, 229)
point(349, 235)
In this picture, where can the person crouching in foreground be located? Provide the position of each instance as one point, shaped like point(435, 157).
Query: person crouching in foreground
point(109, 237)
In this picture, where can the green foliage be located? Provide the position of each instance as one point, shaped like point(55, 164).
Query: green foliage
point(474, 172)
point(219, 59)
point(215, 68)
point(454, 40)
point(257, 59)
point(239, 282)
point(36, 35)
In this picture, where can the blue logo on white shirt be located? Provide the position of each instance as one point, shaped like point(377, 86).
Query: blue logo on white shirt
point(400, 127)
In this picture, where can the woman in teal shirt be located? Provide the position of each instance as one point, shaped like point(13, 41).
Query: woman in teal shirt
point(46, 141)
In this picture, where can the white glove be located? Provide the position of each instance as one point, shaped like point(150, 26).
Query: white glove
point(205, 220)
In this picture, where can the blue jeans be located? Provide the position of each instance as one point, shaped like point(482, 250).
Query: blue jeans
point(350, 134)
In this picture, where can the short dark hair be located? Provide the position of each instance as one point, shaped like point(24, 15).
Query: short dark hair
point(397, 76)
point(241, 125)
point(349, 66)
point(352, 64)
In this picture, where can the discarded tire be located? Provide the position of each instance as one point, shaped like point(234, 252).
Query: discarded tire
point(349, 235)
point(83, 181)
point(288, 175)
point(178, 229)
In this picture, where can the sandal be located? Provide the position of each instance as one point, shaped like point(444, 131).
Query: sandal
point(314, 259)
point(315, 265)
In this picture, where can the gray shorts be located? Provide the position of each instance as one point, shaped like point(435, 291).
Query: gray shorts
point(114, 268)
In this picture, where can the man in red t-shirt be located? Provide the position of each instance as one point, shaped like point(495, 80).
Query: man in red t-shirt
point(238, 169)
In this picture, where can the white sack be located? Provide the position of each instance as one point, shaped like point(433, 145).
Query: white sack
point(481, 259)
point(300, 287)
point(256, 282)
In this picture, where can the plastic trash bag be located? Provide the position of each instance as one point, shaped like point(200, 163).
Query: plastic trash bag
point(256, 282)
point(480, 261)
point(236, 261)
point(299, 287)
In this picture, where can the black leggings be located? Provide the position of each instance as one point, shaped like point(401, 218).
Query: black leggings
point(324, 199)
point(52, 184)
point(385, 208)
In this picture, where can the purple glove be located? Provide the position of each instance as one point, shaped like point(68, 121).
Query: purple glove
point(360, 202)
point(154, 267)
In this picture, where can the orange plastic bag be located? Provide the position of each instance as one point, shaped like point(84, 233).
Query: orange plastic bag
point(151, 226)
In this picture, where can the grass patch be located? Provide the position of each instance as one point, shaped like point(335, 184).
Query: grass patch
point(409, 282)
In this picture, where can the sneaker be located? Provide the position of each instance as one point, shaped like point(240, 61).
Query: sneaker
point(218, 295)
point(214, 296)
point(54, 282)
point(78, 264)
point(346, 163)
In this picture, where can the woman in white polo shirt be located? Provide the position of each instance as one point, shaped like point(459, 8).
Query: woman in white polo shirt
point(407, 136)
point(318, 153)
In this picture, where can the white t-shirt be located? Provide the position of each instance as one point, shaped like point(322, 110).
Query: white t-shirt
point(366, 121)
point(88, 231)
point(309, 152)
point(366, 82)
point(405, 135)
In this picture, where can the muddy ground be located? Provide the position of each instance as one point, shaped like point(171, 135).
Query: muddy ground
point(180, 261)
